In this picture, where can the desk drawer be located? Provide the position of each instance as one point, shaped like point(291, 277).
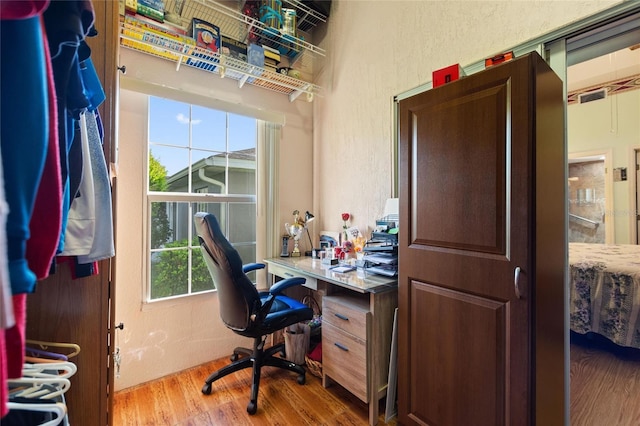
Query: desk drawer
point(283, 272)
point(347, 314)
point(344, 359)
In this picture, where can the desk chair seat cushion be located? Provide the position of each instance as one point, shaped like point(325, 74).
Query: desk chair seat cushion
point(284, 311)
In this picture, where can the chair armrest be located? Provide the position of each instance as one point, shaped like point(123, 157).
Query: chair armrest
point(252, 267)
point(281, 285)
point(274, 291)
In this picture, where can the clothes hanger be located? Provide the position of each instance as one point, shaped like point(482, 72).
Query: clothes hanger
point(45, 346)
point(51, 355)
point(38, 360)
point(57, 408)
point(39, 387)
point(64, 369)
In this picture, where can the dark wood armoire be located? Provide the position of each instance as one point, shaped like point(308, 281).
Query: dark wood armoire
point(81, 310)
point(482, 251)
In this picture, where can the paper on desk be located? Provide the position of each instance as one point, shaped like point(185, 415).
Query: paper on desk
point(343, 268)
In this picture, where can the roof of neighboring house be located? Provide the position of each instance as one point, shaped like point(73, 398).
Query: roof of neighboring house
point(243, 154)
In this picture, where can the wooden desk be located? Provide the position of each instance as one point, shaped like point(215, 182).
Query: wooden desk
point(357, 322)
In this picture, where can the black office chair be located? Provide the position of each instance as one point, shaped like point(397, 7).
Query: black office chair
point(246, 311)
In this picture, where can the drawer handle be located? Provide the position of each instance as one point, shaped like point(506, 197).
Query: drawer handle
point(342, 317)
point(343, 347)
point(287, 274)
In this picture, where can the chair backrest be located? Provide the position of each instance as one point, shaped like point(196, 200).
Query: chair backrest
point(237, 295)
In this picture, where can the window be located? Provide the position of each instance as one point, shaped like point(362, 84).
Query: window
point(200, 159)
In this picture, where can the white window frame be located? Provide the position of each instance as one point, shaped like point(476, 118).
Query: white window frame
point(190, 198)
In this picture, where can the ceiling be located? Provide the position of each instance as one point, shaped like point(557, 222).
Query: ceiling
point(610, 67)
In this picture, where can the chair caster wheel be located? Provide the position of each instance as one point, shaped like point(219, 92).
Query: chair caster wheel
point(252, 408)
point(234, 357)
point(301, 379)
point(206, 389)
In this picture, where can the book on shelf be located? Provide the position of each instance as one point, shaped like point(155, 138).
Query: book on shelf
point(153, 9)
point(172, 32)
point(255, 56)
point(270, 65)
point(271, 53)
point(234, 49)
point(207, 37)
point(155, 38)
point(166, 27)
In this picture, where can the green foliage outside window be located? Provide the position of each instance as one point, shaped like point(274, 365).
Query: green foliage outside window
point(160, 230)
point(169, 274)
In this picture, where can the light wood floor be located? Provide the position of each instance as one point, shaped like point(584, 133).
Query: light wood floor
point(605, 384)
point(605, 391)
point(177, 400)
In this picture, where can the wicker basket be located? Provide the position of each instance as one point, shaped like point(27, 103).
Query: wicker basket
point(314, 367)
point(316, 323)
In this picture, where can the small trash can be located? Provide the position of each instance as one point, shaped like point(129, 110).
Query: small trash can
point(296, 342)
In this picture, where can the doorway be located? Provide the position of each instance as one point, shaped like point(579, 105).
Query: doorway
point(589, 197)
point(602, 108)
point(602, 143)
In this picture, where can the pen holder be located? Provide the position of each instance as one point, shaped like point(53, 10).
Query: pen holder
point(315, 253)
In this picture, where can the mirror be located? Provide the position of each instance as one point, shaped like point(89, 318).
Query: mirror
point(603, 139)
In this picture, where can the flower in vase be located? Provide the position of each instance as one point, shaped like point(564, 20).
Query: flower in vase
point(345, 219)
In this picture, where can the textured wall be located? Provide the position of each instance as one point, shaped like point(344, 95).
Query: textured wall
point(378, 49)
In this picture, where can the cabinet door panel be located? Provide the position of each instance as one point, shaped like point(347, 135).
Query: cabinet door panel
point(473, 183)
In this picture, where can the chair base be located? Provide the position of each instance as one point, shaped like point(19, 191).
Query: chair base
point(255, 359)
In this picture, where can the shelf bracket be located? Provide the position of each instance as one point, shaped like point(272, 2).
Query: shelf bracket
point(294, 95)
point(179, 62)
point(242, 81)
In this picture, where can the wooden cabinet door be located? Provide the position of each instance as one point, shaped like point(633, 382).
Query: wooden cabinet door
point(467, 212)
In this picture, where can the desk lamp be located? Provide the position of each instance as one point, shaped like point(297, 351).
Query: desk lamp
point(308, 217)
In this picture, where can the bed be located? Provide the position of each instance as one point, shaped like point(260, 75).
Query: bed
point(605, 291)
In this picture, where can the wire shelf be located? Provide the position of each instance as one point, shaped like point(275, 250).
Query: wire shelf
point(233, 24)
point(183, 53)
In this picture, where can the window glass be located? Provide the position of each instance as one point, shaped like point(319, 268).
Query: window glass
point(197, 156)
point(169, 273)
point(209, 129)
point(210, 171)
point(170, 122)
point(243, 228)
point(167, 169)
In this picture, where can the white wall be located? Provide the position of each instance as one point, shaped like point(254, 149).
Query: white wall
point(611, 123)
point(378, 49)
point(168, 336)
